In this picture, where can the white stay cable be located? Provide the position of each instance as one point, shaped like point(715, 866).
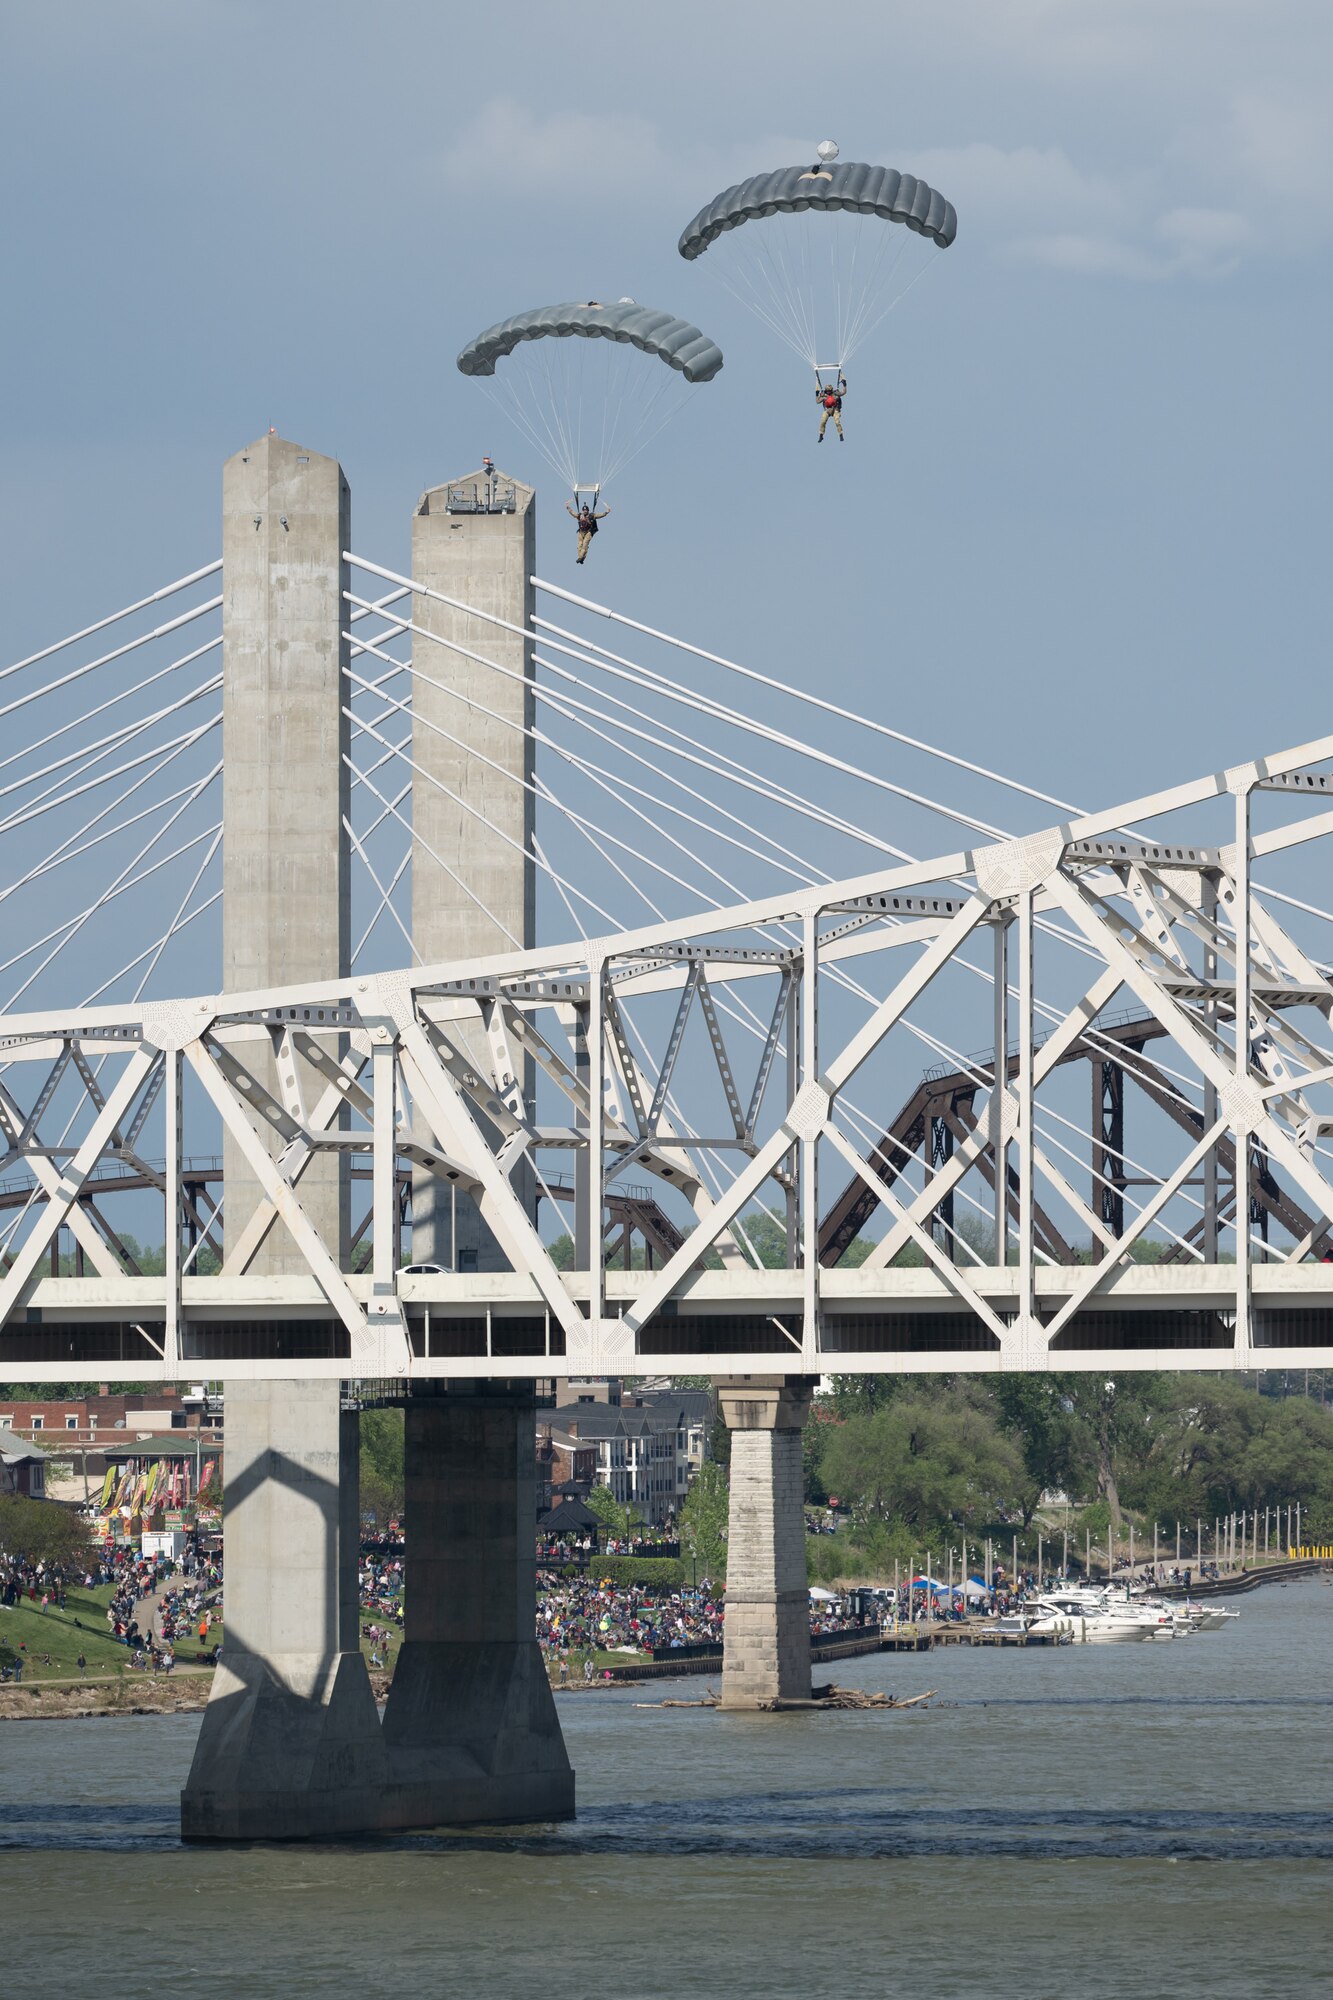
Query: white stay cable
point(579, 763)
point(384, 894)
point(178, 922)
point(86, 715)
point(91, 666)
point(70, 852)
point(706, 705)
point(124, 881)
point(167, 590)
point(752, 782)
point(89, 755)
point(861, 721)
point(796, 694)
point(453, 875)
point(156, 755)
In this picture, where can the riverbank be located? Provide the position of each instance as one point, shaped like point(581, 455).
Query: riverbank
point(126, 1694)
point(184, 1692)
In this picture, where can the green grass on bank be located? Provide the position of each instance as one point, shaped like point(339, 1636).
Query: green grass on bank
point(31, 1634)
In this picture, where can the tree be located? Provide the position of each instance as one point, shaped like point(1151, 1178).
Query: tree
point(383, 1478)
point(861, 1395)
point(703, 1521)
point(615, 1519)
point(44, 1531)
point(1041, 1413)
point(925, 1460)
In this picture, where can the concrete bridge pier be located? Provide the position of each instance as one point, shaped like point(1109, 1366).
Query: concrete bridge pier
point(766, 1636)
point(470, 1730)
point(290, 1747)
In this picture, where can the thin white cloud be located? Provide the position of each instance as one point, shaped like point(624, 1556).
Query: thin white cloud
point(613, 157)
point(1257, 178)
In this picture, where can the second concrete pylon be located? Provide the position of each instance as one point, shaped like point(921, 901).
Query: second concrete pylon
point(470, 1730)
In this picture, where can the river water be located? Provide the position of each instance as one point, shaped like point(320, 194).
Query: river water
point(1092, 1821)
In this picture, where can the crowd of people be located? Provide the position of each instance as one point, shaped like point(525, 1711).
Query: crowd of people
point(136, 1581)
point(185, 1613)
point(380, 1594)
point(554, 1550)
point(576, 1619)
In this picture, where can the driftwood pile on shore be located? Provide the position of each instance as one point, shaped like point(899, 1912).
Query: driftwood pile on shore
point(827, 1697)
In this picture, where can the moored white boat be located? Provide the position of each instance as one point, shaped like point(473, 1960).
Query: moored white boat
point(1088, 1624)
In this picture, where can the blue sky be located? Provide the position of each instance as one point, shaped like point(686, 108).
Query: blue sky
point(1079, 527)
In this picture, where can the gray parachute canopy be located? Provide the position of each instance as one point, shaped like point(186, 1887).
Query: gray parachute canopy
point(682, 346)
point(848, 185)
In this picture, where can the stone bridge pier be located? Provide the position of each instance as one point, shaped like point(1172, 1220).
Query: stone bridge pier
point(766, 1634)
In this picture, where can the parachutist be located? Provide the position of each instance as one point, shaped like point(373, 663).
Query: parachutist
point(585, 522)
point(829, 396)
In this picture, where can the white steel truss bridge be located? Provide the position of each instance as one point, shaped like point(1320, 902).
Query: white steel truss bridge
point(420, 1073)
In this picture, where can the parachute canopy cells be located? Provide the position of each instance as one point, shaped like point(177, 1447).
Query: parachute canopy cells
point(806, 249)
point(847, 185)
point(672, 340)
point(585, 384)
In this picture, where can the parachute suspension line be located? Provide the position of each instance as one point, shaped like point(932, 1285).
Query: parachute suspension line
point(542, 417)
point(629, 388)
point(502, 394)
point(865, 328)
point(733, 271)
point(773, 253)
point(565, 418)
point(890, 250)
point(639, 442)
point(840, 298)
point(563, 411)
point(629, 440)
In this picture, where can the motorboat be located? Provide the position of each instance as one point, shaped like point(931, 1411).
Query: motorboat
point(1087, 1623)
